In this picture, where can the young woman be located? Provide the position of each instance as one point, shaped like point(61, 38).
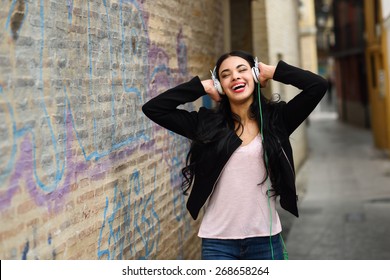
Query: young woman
point(240, 157)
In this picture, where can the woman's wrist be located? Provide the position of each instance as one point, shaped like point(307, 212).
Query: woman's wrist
point(269, 71)
point(266, 73)
point(210, 89)
point(206, 85)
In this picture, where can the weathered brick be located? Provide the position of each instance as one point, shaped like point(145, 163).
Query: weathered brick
point(76, 78)
point(25, 207)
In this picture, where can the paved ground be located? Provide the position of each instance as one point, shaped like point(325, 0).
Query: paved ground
point(345, 197)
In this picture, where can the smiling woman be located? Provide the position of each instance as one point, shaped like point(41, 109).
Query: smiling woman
point(240, 158)
point(236, 78)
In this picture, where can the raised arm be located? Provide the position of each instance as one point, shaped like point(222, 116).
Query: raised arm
point(313, 89)
point(163, 110)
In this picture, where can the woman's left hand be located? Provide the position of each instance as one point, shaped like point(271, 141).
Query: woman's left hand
point(266, 73)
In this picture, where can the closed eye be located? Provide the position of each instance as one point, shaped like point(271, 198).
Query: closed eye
point(226, 73)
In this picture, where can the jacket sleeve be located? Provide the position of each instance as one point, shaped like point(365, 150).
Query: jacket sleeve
point(313, 89)
point(163, 110)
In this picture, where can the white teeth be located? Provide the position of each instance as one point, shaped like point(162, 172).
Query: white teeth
point(238, 86)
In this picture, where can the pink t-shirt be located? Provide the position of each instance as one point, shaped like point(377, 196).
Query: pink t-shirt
point(239, 207)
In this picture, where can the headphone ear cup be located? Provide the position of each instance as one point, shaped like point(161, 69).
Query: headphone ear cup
point(217, 84)
point(255, 70)
point(255, 73)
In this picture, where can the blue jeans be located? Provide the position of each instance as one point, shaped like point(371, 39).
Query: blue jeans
point(254, 248)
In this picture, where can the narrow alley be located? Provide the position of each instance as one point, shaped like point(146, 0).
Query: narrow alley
point(345, 197)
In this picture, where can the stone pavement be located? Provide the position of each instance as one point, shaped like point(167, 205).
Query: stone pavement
point(345, 197)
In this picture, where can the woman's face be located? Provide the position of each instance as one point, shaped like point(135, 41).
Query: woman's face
point(235, 76)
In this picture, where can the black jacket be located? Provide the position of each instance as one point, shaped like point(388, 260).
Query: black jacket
point(163, 110)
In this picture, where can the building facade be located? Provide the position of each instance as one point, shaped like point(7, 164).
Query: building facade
point(350, 65)
point(377, 58)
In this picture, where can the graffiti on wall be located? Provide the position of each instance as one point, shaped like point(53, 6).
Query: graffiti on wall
point(138, 220)
point(75, 86)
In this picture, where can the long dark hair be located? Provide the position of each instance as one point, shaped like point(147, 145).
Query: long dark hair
point(223, 120)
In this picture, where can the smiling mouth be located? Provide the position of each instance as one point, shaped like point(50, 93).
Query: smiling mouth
point(238, 87)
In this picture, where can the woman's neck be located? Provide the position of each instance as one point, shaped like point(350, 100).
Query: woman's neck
point(241, 110)
point(247, 128)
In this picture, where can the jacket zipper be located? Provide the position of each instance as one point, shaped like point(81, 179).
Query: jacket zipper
point(216, 181)
point(285, 155)
point(289, 163)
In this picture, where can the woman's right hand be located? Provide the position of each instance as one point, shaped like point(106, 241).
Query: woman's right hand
point(211, 91)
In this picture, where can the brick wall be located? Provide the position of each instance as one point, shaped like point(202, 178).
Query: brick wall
point(83, 173)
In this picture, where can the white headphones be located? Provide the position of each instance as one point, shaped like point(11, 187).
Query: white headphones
point(217, 84)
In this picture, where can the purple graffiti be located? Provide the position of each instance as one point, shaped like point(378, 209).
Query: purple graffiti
point(54, 200)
